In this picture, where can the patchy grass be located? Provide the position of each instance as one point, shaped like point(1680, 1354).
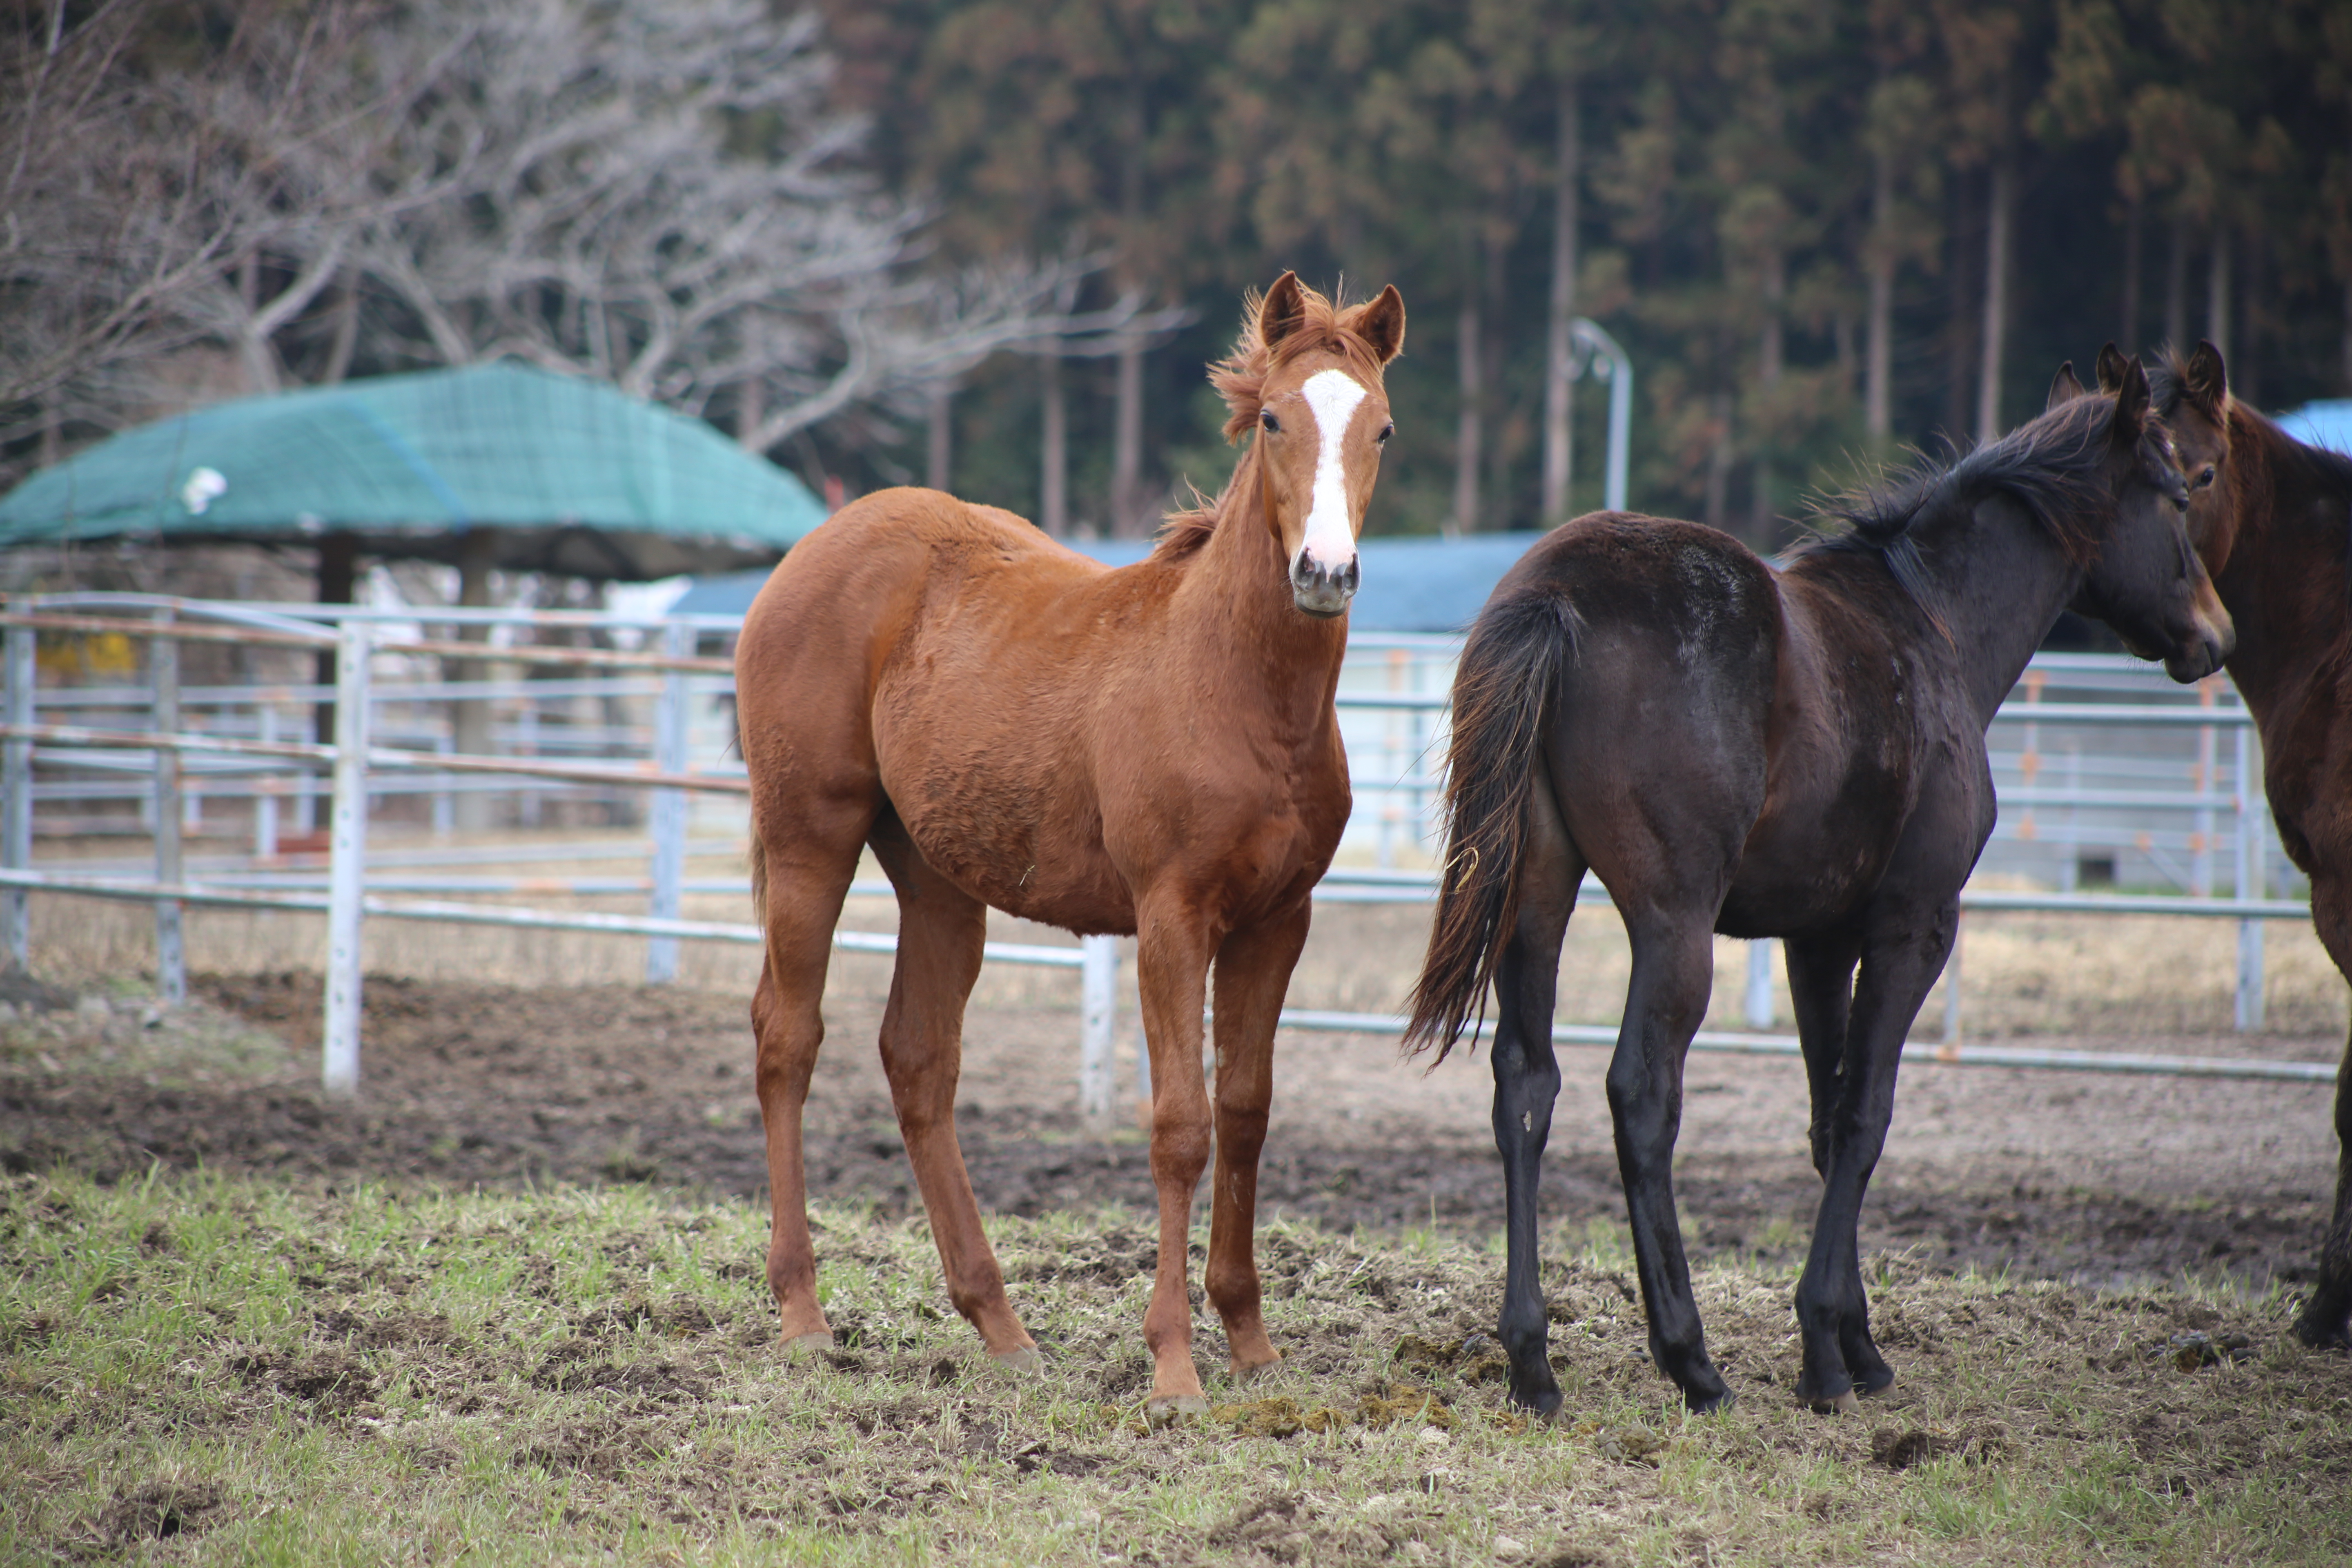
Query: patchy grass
point(205, 1369)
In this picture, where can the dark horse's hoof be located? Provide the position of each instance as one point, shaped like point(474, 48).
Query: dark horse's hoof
point(1543, 1404)
point(2324, 1331)
point(1700, 1402)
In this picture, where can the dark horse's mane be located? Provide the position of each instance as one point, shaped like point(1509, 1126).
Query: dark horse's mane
point(1240, 377)
point(2055, 467)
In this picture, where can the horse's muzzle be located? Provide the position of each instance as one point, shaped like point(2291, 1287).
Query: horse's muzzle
point(1322, 590)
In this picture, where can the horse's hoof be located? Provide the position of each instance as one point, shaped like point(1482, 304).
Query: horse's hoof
point(1845, 1404)
point(1543, 1405)
point(2314, 1330)
point(1709, 1404)
point(1028, 1360)
point(1253, 1371)
point(1167, 1412)
point(801, 1346)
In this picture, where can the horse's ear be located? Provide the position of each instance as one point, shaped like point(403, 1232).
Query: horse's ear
point(2205, 380)
point(2110, 369)
point(2064, 388)
point(1282, 311)
point(1382, 324)
point(2131, 405)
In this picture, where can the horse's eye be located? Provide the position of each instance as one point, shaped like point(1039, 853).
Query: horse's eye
point(1267, 419)
point(2206, 477)
point(1386, 431)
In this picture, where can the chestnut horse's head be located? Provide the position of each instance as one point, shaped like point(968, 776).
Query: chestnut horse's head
point(2193, 397)
point(1306, 377)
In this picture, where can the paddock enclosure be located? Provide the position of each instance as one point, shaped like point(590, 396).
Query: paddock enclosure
point(175, 1176)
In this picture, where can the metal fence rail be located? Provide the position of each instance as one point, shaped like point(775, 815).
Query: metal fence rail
point(239, 754)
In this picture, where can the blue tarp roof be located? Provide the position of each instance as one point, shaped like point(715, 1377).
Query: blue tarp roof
point(1409, 585)
point(2327, 425)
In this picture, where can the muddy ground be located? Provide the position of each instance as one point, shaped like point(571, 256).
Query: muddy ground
point(2085, 1178)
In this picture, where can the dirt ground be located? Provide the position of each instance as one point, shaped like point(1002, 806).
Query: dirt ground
point(2085, 1178)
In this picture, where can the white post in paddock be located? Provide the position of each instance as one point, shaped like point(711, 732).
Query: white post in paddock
point(347, 862)
point(171, 950)
point(1098, 980)
point(2251, 806)
point(670, 716)
point(1759, 983)
point(17, 802)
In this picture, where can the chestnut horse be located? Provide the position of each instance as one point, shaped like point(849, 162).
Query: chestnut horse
point(1796, 753)
point(1151, 750)
point(2272, 519)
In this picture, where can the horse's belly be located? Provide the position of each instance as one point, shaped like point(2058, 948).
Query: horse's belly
point(1014, 844)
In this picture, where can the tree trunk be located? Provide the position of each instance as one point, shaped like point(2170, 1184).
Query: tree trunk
point(1126, 501)
point(1961, 327)
point(1054, 456)
point(1878, 352)
point(2244, 365)
point(1469, 427)
point(2217, 291)
point(1770, 356)
point(1559, 425)
point(2347, 337)
point(1996, 310)
point(347, 331)
point(2176, 285)
point(2128, 333)
point(939, 454)
point(477, 554)
point(751, 407)
point(1718, 461)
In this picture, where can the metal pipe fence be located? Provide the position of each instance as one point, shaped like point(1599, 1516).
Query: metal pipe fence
point(1398, 684)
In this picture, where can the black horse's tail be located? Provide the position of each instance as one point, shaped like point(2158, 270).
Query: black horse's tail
point(1504, 699)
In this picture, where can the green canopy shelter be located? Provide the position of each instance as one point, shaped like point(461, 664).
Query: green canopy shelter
point(490, 465)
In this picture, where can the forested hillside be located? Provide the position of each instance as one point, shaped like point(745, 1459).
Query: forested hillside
point(1824, 230)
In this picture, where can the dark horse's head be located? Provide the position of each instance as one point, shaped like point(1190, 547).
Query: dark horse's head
point(1306, 377)
point(2141, 576)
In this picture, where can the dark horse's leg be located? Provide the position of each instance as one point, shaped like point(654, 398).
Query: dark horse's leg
point(1821, 989)
point(1674, 971)
point(1904, 948)
point(2326, 1318)
point(1527, 1082)
point(941, 928)
point(1252, 972)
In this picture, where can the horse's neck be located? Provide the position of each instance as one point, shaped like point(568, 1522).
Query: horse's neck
point(1247, 624)
point(2285, 584)
point(2003, 579)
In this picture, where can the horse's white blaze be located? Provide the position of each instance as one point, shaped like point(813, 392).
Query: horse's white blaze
point(1330, 530)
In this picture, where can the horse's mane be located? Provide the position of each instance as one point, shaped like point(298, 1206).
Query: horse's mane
point(2055, 467)
point(1241, 377)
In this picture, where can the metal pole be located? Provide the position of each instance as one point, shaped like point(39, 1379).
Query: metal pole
point(347, 862)
point(265, 798)
point(1100, 985)
point(1620, 372)
point(16, 799)
point(170, 953)
point(1952, 995)
point(1759, 983)
point(670, 716)
point(2250, 852)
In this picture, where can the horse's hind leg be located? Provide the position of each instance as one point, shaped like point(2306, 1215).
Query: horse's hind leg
point(1820, 990)
point(1526, 1083)
point(1252, 973)
point(807, 857)
point(942, 930)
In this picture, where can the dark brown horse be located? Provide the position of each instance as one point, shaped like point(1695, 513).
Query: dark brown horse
point(1151, 750)
point(1796, 753)
point(2272, 519)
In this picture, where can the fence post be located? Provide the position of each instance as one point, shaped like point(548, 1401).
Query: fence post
point(171, 953)
point(671, 714)
point(264, 793)
point(1759, 983)
point(1099, 1000)
point(16, 800)
point(2250, 881)
point(347, 862)
point(1951, 1048)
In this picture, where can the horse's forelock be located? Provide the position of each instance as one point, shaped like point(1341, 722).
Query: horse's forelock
point(1324, 327)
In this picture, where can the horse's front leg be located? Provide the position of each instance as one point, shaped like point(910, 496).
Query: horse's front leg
point(2326, 1317)
point(1902, 950)
point(1253, 973)
point(1174, 941)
